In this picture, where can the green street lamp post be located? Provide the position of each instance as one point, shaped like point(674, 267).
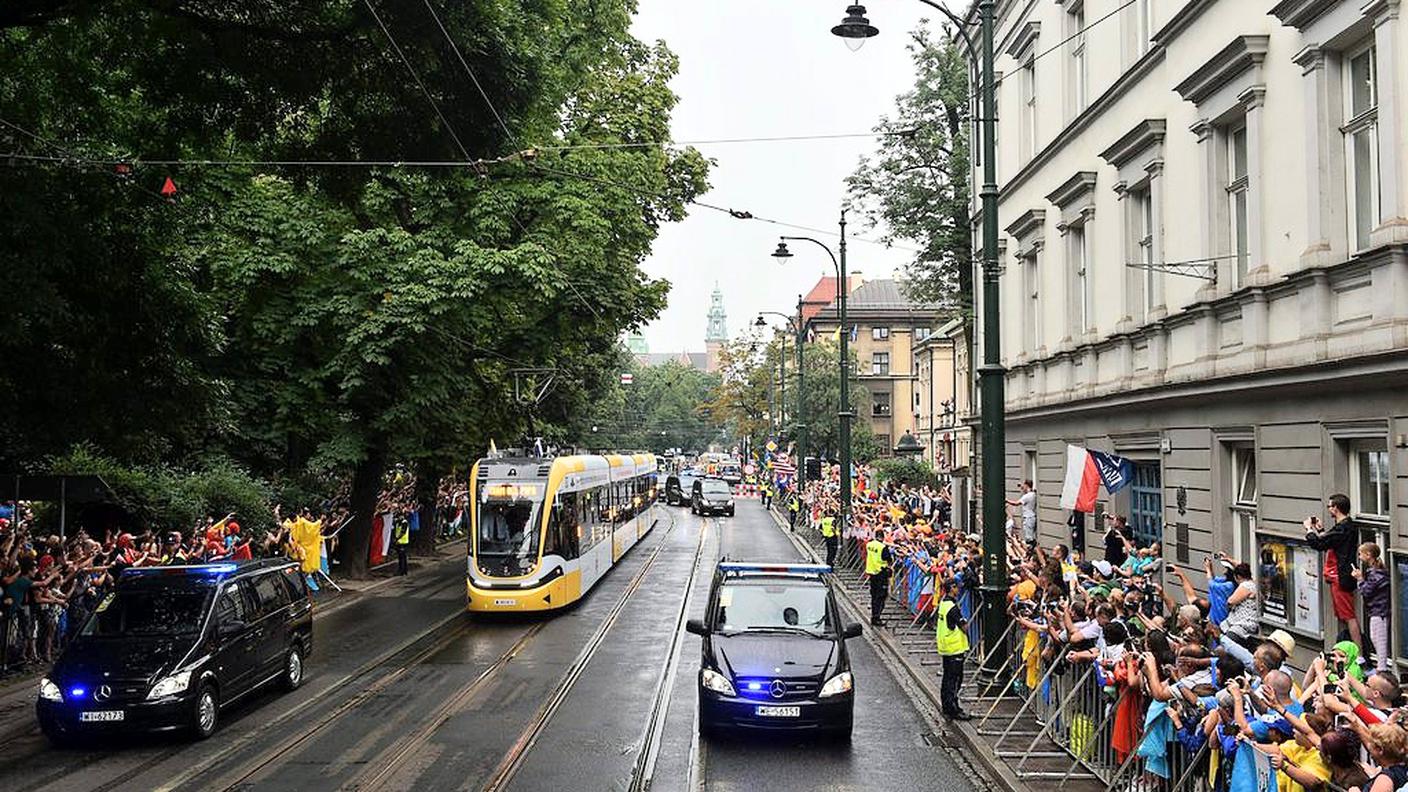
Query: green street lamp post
point(844, 408)
point(799, 418)
point(991, 375)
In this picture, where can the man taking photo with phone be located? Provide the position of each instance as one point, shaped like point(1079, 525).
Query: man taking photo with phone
point(1340, 542)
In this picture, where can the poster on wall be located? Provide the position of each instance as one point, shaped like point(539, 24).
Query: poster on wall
point(1275, 566)
point(1307, 574)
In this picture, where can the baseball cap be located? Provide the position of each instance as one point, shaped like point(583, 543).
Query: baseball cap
point(1103, 567)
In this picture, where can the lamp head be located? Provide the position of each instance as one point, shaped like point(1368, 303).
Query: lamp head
point(760, 323)
point(855, 28)
point(782, 252)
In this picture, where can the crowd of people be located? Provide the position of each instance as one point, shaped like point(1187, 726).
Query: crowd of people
point(49, 584)
point(1185, 680)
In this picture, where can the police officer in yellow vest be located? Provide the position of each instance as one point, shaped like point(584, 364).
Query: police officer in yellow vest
point(828, 535)
point(877, 568)
point(401, 537)
point(794, 505)
point(952, 640)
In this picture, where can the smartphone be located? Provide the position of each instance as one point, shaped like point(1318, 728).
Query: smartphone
point(1330, 690)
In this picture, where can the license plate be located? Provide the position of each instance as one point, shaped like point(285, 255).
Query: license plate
point(779, 712)
point(101, 717)
point(507, 603)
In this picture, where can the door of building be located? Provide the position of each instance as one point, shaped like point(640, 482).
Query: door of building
point(1146, 509)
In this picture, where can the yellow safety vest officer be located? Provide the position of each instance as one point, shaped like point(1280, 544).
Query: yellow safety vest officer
point(950, 640)
point(401, 536)
point(828, 527)
point(875, 557)
point(877, 568)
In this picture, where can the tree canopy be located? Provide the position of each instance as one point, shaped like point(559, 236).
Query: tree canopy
point(316, 317)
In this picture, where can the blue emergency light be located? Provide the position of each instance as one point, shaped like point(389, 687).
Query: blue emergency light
point(183, 569)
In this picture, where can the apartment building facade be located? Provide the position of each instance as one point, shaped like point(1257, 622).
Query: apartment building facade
point(886, 326)
point(1204, 207)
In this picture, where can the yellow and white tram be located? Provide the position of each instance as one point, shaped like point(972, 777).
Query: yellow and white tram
point(544, 531)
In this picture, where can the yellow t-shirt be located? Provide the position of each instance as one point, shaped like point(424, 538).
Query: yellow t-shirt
point(1026, 589)
point(1307, 759)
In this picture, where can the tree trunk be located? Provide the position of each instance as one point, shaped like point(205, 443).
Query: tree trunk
point(427, 488)
point(356, 537)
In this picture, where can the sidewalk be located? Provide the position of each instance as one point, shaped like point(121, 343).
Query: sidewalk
point(1011, 758)
point(18, 692)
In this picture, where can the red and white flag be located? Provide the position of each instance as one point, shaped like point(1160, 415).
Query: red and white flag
point(1086, 470)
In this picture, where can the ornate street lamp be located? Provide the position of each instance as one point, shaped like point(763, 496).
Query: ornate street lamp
point(855, 28)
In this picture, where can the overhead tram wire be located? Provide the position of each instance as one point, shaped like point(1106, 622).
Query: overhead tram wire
point(434, 104)
point(741, 215)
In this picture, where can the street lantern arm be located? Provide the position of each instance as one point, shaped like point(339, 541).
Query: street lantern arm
point(834, 263)
point(958, 24)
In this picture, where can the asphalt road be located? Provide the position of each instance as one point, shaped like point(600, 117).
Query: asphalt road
point(404, 691)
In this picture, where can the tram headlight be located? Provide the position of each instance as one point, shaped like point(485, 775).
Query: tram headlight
point(835, 686)
point(717, 682)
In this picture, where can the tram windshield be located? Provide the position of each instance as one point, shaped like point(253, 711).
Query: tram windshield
point(509, 530)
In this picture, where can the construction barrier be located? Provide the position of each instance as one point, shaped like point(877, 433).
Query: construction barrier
point(745, 490)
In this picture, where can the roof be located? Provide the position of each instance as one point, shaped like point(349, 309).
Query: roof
point(697, 360)
point(822, 294)
point(879, 298)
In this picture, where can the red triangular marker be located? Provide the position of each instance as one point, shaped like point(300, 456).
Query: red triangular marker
point(169, 188)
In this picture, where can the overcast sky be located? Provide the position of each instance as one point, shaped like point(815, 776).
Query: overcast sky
point(768, 68)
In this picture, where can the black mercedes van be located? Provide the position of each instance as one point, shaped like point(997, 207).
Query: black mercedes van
point(171, 646)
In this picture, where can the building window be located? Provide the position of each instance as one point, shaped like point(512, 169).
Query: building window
point(879, 333)
point(1077, 70)
point(1141, 237)
point(1361, 140)
point(1028, 89)
point(922, 333)
point(1031, 304)
point(1368, 470)
point(883, 440)
point(880, 363)
point(1237, 187)
point(1079, 257)
point(1245, 498)
point(1288, 575)
point(880, 404)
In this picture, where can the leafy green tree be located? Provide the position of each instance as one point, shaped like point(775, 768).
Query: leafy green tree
point(325, 319)
point(916, 185)
point(749, 373)
point(659, 410)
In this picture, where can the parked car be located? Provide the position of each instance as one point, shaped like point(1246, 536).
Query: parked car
point(170, 647)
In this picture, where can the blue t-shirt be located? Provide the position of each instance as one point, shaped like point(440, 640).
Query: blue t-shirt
point(1219, 591)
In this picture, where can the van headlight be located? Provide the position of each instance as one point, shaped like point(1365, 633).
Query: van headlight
point(835, 686)
point(49, 691)
point(170, 686)
point(717, 682)
point(730, 501)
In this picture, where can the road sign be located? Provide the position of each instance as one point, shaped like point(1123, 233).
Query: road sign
point(772, 446)
point(628, 379)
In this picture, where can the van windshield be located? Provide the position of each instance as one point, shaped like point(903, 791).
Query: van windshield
point(149, 612)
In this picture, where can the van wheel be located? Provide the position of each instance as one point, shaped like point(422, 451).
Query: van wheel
point(293, 669)
point(207, 712)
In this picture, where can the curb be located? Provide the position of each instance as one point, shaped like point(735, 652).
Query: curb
point(974, 748)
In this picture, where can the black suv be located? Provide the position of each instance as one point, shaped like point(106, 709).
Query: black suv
point(170, 646)
point(712, 496)
point(774, 652)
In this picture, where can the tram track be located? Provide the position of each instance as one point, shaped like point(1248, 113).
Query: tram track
point(145, 765)
point(643, 773)
point(512, 761)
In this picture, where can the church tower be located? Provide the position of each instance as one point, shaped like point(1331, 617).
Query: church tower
point(717, 334)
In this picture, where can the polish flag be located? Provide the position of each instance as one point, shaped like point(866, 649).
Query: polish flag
point(1086, 470)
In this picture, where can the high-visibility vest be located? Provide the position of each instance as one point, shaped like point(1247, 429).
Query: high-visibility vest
point(874, 557)
point(950, 642)
point(828, 527)
point(402, 533)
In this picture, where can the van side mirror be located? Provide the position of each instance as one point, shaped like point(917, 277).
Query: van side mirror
point(695, 626)
point(851, 630)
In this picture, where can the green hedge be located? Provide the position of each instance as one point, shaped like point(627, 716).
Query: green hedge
point(914, 472)
point(167, 498)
